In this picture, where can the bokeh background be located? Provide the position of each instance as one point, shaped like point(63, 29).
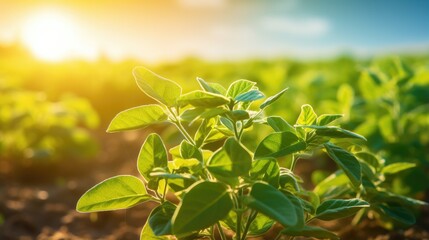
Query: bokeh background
point(65, 72)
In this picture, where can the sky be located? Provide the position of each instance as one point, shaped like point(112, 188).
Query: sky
point(217, 29)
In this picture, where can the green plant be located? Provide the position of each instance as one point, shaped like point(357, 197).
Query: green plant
point(235, 188)
point(33, 128)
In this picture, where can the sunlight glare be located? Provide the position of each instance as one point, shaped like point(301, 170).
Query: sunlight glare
point(51, 35)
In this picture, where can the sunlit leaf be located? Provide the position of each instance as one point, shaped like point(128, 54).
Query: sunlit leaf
point(267, 170)
point(307, 115)
point(369, 158)
point(238, 87)
point(272, 99)
point(397, 167)
point(159, 88)
point(249, 96)
point(279, 144)
point(138, 117)
point(152, 155)
point(204, 130)
point(118, 192)
point(339, 208)
point(274, 204)
point(280, 125)
point(326, 119)
point(202, 206)
point(200, 98)
point(232, 160)
point(347, 162)
point(211, 87)
point(188, 151)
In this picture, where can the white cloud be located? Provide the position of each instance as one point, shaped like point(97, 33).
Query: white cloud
point(310, 27)
point(203, 3)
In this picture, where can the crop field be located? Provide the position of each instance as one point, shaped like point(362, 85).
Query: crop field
point(54, 145)
point(214, 120)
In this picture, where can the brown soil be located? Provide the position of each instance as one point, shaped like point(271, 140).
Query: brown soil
point(38, 202)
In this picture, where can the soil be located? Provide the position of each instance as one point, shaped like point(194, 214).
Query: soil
point(38, 201)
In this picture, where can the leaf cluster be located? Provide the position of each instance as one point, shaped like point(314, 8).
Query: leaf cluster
point(234, 187)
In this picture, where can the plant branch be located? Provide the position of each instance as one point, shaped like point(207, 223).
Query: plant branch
point(178, 123)
point(221, 233)
point(250, 219)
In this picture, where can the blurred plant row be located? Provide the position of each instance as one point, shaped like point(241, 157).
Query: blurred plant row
point(34, 128)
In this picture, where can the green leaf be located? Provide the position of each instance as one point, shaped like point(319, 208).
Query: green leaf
point(138, 117)
point(211, 87)
point(338, 133)
point(160, 219)
point(118, 192)
point(188, 151)
point(200, 98)
point(307, 116)
point(280, 125)
point(384, 196)
point(397, 167)
point(279, 144)
point(232, 160)
point(167, 175)
point(397, 213)
point(260, 225)
point(249, 96)
point(159, 88)
point(267, 170)
point(193, 114)
point(288, 181)
point(147, 234)
point(192, 164)
point(333, 186)
point(238, 87)
point(238, 115)
point(369, 158)
point(152, 155)
point(347, 162)
point(272, 99)
point(202, 206)
point(227, 123)
point(326, 119)
point(339, 208)
point(276, 205)
point(204, 131)
point(311, 231)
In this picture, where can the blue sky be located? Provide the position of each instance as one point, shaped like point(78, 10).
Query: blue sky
point(230, 29)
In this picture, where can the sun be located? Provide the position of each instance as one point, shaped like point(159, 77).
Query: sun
point(51, 35)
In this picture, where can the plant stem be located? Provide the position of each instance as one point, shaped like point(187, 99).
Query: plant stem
point(239, 212)
point(165, 190)
point(239, 215)
point(293, 163)
point(250, 219)
point(212, 236)
point(179, 126)
point(221, 233)
point(279, 235)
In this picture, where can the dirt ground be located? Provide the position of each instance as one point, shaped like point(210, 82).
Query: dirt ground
point(38, 202)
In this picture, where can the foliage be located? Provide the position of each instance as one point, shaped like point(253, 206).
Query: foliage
point(237, 185)
point(391, 108)
point(31, 127)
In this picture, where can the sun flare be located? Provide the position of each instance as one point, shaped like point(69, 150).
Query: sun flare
point(51, 35)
